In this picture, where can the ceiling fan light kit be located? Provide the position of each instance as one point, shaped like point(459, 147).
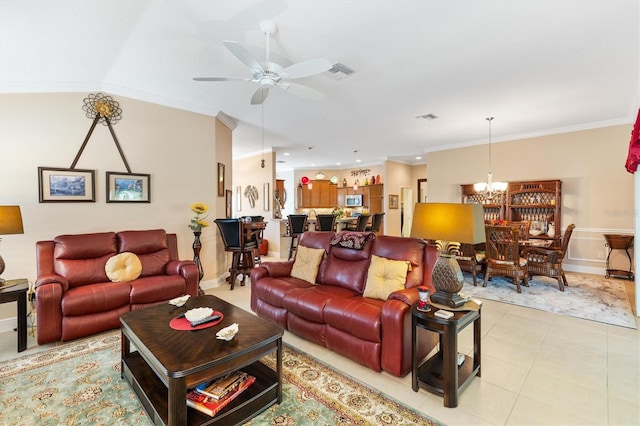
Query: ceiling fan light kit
point(270, 74)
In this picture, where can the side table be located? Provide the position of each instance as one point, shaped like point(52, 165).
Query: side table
point(440, 373)
point(16, 291)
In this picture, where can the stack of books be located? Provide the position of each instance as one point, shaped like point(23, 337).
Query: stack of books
point(212, 397)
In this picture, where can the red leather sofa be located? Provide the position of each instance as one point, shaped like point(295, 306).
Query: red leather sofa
point(333, 313)
point(74, 296)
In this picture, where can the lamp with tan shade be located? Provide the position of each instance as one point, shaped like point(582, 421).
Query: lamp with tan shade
point(463, 223)
point(10, 223)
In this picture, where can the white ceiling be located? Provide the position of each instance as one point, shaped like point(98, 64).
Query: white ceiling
point(539, 67)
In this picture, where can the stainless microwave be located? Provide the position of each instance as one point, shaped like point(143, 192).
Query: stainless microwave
point(353, 200)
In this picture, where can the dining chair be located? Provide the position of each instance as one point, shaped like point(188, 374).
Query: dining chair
point(548, 261)
point(503, 255)
point(297, 226)
point(523, 228)
point(376, 222)
point(326, 222)
point(361, 223)
point(257, 235)
point(242, 260)
point(472, 259)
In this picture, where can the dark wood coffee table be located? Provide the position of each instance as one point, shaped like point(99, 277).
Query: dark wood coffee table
point(169, 362)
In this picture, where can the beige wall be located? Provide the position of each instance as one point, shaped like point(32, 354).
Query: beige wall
point(177, 148)
point(597, 191)
point(247, 171)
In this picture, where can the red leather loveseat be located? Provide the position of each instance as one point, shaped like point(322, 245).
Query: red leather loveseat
point(75, 297)
point(334, 313)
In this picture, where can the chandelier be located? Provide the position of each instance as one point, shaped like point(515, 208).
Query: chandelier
point(490, 188)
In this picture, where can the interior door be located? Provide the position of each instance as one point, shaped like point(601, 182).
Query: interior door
point(406, 211)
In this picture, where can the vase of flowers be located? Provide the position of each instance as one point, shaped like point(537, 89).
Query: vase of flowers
point(197, 223)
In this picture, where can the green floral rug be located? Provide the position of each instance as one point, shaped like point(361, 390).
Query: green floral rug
point(79, 383)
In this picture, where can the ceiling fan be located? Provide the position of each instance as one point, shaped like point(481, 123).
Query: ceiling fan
point(270, 74)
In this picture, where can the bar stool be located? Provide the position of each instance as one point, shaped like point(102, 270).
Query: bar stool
point(361, 224)
point(376, 221)
point(242, 260)
point(297, 226)
point(326, 222)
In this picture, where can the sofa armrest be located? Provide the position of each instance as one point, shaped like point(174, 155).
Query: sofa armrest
point(278, 269)
point(189, 271)
point(407, 295)
point(49, 293)
point(52, 279)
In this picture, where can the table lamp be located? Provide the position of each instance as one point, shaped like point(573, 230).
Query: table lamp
point(463, 223)
point(10, 223)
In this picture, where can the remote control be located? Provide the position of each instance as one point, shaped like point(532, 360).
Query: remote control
point(443, 314)
point(205, 320)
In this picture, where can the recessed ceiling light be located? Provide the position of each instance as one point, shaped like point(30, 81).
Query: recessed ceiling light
point(286, 154)
point(337, 164)
point(418, 158)
point(357, 161)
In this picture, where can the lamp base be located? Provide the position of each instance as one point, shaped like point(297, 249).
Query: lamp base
point(450, 299)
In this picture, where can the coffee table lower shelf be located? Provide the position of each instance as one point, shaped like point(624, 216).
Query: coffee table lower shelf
point(153, 393)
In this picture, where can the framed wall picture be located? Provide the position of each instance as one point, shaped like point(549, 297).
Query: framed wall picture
point(266, 197)
point(128, 188)
point(393, 201)
point(221, 180)
point(66, 185)
point(228, 195)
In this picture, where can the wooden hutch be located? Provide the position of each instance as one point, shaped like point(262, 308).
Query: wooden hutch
point(539, 202)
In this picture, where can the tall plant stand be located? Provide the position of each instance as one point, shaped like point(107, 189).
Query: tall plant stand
point(197, 246)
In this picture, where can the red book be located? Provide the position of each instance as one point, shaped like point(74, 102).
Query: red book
point(212, 406)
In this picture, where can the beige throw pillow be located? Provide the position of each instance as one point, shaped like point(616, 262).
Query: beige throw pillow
point(305, 267)
point(384, 277)
point(125, 266)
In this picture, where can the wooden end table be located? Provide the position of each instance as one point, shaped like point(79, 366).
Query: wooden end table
point(16, 291)
point(440, 374)
point(169, 362)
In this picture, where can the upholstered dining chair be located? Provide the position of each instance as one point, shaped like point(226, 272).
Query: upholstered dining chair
point(376, 222)
point(503, 255)
point(297, 226)
point(326, 222)
point(548, 261)
point(361, 223)
point(242, 260)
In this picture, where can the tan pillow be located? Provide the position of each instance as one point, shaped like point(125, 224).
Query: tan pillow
point(305, 267)
point(385, 276)
point(125, 266)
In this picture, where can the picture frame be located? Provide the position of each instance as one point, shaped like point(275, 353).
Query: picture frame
point(228, 196)
point(393, 201)
point(57, 185)
point(221, 192)
point(239, 198)
point(265, 197)
point(128, 187)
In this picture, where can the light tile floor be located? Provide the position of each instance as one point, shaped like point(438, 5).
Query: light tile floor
point(537, 368)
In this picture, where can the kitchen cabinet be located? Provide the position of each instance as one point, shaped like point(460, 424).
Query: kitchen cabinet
point(323, 194)
point(372, 196)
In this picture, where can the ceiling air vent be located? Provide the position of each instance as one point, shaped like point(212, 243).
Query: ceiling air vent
point(339, 71)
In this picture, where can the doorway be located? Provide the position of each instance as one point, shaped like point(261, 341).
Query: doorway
point(422, 190)
point(406, 211)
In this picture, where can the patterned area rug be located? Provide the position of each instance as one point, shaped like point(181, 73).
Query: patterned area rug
point(588, 296)
point(79, 383)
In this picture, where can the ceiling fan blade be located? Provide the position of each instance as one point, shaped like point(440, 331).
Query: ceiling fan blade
point(221, 79)
point(259, 96)
point(302, 91)
point(307, 68)
point(240, 52)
